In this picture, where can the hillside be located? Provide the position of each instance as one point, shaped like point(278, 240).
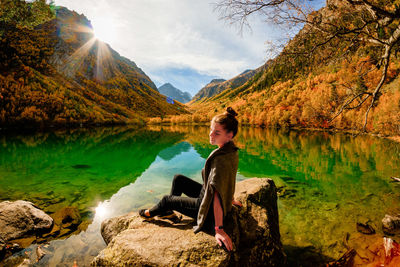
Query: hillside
point(208, 90)
point(169, 90)
point(57, 73)
point(312, 80)
point(217, 86)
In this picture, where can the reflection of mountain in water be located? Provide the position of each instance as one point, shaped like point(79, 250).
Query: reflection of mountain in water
point(170, 152)
point(327, 182)
point(42, 168)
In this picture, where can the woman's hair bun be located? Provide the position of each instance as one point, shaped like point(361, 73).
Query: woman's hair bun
point(230, 111)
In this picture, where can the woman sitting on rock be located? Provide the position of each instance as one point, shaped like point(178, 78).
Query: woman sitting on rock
point(208, 203)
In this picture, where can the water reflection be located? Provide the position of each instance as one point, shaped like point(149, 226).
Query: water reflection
point(77, 168)
point(327, 182)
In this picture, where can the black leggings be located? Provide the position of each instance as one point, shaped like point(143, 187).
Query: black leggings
point(189, 205)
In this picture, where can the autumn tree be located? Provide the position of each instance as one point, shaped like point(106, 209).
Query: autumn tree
point(342, 27)
point(26, 14)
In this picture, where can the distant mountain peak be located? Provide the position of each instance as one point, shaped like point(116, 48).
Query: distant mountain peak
point(246, 71)
point(217, 80)
point(169, 90)
point(217, 86)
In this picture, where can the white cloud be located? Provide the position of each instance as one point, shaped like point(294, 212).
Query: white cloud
point(158, 35)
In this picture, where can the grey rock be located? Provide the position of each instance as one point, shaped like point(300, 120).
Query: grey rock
point(391, 224)
point(22, 218)
point(254, 230)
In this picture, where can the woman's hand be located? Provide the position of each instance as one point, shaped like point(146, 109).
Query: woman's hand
point(220, 235)
point(224, 238)
point(237, 203)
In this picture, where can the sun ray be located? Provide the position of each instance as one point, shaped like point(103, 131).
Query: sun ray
point(105, 62)
point(75, 61)
point(93, 54)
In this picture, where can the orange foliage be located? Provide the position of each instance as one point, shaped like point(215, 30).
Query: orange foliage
point(33, 92)
point(312, 100)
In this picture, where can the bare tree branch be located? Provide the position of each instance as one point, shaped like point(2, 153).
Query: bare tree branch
point(377, 10)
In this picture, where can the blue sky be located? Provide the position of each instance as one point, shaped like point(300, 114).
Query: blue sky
point(178, 41)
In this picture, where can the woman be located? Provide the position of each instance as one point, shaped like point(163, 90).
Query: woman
point(208, 203)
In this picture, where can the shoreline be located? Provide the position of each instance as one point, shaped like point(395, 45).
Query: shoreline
point(395, 138)
point(74, 126)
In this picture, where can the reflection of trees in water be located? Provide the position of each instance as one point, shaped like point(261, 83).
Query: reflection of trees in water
point(308, 152)
point(320, 152)
point(328, 181)
point(332, 182)
point(42, 167)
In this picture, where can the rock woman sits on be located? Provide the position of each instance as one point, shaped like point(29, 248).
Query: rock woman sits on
point(209, 202)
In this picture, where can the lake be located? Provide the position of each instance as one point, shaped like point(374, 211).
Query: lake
point(327, 181)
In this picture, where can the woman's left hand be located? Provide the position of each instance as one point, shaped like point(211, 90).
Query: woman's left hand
point(223, 237)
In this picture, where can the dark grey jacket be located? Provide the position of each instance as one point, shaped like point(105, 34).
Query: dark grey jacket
point(219, 173)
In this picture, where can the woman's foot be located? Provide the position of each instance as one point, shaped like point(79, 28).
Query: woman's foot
point(170, 215)
point(145, 214)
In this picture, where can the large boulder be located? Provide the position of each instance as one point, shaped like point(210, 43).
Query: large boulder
point(20, 218)
point(254, 230)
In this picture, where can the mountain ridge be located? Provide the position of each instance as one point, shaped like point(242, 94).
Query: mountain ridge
point(217, 86)
point(171, 91)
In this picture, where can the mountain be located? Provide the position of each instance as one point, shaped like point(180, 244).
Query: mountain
point(312, 79)
point(170, 91)
point(75, 34)
point(217, 86)
point(208, 90)
point(57, 73)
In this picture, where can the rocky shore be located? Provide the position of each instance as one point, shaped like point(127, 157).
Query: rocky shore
point(23, 223)
point(254, 230)
point(20, 219)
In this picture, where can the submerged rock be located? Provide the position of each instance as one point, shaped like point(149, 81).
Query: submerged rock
point(369, 250)
point(20, 219)
point(391, 224)
point(365, 228)
point(286, 192)
point(254, 229)
point(67, 216)
point(81, 166)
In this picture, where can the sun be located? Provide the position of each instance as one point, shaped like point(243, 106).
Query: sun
point(104, 29)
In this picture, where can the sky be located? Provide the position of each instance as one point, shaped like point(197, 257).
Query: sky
point(181, 42)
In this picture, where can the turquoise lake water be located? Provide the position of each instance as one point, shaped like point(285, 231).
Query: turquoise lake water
point(327, 182)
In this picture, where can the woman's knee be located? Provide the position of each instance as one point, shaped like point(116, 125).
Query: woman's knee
point(165, 200)
point(178, 177)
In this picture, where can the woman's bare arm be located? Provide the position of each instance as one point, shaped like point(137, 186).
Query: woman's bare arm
point(220, 234)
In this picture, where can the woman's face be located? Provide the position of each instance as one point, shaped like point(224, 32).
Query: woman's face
point(218, 135)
